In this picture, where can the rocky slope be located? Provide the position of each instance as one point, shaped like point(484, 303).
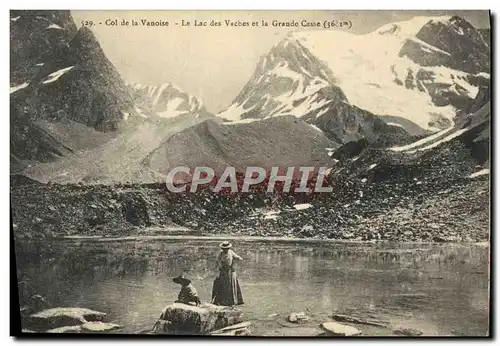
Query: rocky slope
point(280, 142)
point(433, 189)
point(36, 37)
point(59, 76)
point(40, 210)
point(76, 82)
point(73, 118)
point(158, 145)
point(119, 160)
point(413, 71)
point(421, 210)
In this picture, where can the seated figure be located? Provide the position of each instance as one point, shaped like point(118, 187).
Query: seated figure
point(188, 294)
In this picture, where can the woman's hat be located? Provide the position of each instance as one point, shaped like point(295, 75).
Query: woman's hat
point(181, 280)
point(225, 245)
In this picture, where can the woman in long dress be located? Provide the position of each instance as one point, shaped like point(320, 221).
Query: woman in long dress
point(226, 290)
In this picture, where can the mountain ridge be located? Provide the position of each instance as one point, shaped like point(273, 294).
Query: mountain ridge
point(402, 81)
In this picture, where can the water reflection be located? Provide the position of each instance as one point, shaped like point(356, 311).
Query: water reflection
point(441, 288)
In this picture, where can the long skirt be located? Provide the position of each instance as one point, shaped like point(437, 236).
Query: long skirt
point(226, 290)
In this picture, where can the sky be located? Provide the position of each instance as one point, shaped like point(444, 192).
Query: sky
point(214, 63)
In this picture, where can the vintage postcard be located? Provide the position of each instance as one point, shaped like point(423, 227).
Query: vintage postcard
point(251, 173)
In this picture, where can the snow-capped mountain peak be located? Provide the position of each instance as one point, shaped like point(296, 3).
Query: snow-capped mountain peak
point(413, 69)
point(287, 81)
point(166, 100)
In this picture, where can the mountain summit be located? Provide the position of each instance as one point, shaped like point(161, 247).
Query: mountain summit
point(167, 100)
point(413, 74)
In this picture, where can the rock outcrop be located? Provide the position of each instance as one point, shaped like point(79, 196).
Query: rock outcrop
point(183, 319)
point(407, 332)
point(357, 320)
point(240, 329)
point(68, 320)
point(298, 317)
point(338, 329)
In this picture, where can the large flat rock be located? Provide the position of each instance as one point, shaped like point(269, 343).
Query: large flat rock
point(402, 331)
point(338, 329)
point(67, 329)
point(358, 320)
point(240, 329)
point(99, 327)
point(62, 317)
point(186, 319)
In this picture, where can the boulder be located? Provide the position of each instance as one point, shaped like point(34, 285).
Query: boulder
point(338, 329)
point(99, 327)
point(357, 320)
point(66, 329)
point(407, 332)
point(183, 319)
point(62, 317)
point(298, 317)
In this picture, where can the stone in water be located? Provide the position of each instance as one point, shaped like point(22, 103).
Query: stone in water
point(62, 317)
point(298, 317)
point(67, 329)
point(338, 329)
point(97, 327)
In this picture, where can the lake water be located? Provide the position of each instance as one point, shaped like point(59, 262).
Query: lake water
point(439, 289)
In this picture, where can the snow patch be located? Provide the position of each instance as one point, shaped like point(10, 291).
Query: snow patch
point(302, 206)
point(171, 109)
point(40, 64)
point(125, 115)
point(139, 112)
point(422, 141)
point(159, 92)
point(428, 46)
point(372, 166)
point(321, 113)
point(483, 74)
point(54, 26)
point(56, 75)
point(151, 90)
point(330, 152)
point(472, 90)
point(480, 173)
point(445, 139)
point(271, 215)
point(18, 87)
point(283, 70)
point(316, 128)
point(233, 113)
point(395, 124)
point(14, 19)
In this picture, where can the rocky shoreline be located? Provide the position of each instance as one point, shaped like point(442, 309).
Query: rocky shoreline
point(208, 319)
point(416, 211)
